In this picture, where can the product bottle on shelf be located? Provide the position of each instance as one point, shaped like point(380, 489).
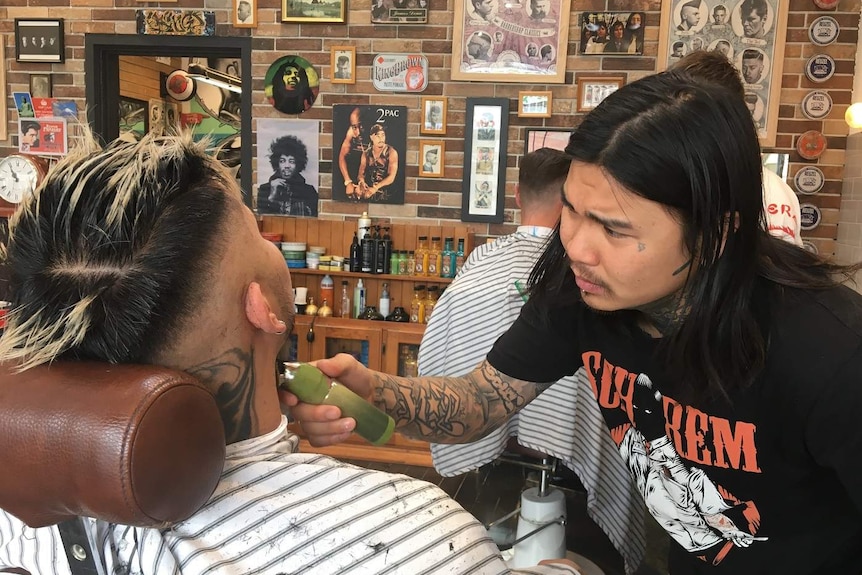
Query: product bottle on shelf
point(459, 256)
point(430, 302)
point(345, 300)
point(327, 289)
point(383, 306)
point(364, 226)
point(358, 299)
point(417, 305)
point(368, 253)
point(420, 268)
point(447, 268)
point(381, 258)
point(402, 263)
point(355, 254)
point(387, 252)
point(434, 258)
point(393, 263)
point(324, 310)
point(411, 263)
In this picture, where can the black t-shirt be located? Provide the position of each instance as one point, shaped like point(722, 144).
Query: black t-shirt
point(770, 482)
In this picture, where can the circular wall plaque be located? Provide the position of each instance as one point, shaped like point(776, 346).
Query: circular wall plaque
point(823, 30)
point(809, 245)
point(809, 180)
point(811, 144)
point(291, 84)
point(811, 216)
point(819, 67)
point(816, 105)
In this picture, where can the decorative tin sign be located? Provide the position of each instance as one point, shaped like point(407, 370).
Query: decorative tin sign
point(826, 4)
point(175, 22)
point(816, 105)
point(811, 144)
point(811, 216)
point(400, 72)
point(819, 67)
point(809, 180)
point(809, 245)
point(823, 31)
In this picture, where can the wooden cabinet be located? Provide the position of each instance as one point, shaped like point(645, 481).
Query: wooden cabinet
point(382, 346)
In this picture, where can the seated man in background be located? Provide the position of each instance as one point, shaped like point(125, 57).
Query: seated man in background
point(139, 253)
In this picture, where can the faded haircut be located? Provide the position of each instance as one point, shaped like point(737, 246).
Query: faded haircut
point(112, 253)
point(541, 176)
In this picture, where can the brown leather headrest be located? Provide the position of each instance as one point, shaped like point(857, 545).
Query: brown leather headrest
point(130, 444)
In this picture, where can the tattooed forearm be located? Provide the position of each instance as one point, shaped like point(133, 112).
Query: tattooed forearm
point(231, 379)
point(452, 409)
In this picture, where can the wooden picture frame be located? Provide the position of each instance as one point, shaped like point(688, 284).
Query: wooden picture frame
point(486, 128)
point(244, 13)
point(341, 73)
point(310, 11)
point(4, 130)
point(593, 89)
point(527, 43)
point(434, 110)
point(40, 40)
point(724, 31)
point(533, 104)
point(41, 86)
point(433, 165)
point(554, 138)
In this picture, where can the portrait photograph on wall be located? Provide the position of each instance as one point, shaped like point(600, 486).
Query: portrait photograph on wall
point(245, 13)
point(619, 33)
point(485, 147)
point(288, 157)
point(43, 136)
point(498, 42)
point(434, 110)
point(343, 65)
point(291, 85)
point(432, 155)
point(745, 32)
point(369, 151)
point(39, 40)
point(313, 11)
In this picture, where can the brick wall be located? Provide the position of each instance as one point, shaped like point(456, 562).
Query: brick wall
point(439, 200)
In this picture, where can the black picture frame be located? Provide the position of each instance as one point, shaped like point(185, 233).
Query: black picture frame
point(483, 190)
point(40, 40)
point(556, 138)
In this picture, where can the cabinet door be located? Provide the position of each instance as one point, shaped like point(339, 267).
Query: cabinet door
point(363, 343)
point(401, 350)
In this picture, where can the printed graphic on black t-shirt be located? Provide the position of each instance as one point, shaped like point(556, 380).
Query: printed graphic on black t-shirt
point(700, 515)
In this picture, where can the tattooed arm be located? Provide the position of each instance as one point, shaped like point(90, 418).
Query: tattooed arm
point(437, 409)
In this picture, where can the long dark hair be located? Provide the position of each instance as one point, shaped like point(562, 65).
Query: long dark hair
point(692, 147)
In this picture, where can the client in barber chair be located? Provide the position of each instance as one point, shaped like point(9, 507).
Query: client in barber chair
point(144, 253)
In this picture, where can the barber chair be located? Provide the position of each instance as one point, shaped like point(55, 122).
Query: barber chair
point(127, 444)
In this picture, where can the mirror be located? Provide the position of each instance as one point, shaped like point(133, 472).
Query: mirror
point(221, 110)
point(778, 163)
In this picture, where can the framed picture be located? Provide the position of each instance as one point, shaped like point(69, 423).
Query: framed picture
point(343, 64)
point(245, 13)
point(750, 33)
point(617, 33)
point(593, 89)
point(134, 120)
point(486, 126)
point(3, 129)
point(434, 110)
point(39, 40)
point(156, 116)
point(521, 42)
point(556, 138)
point(399, 11)
point(432, 156)
point(41, 86)
point(44, 136)
point(313, 11)
point(283, 189)
point(534, 104)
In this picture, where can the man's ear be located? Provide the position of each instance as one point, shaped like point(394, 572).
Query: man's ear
point(259, 313)
point(518, 195)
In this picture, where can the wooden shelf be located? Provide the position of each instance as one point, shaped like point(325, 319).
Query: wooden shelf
point(390, 277)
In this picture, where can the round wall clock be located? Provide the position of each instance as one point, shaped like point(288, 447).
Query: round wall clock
point(20, 175)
